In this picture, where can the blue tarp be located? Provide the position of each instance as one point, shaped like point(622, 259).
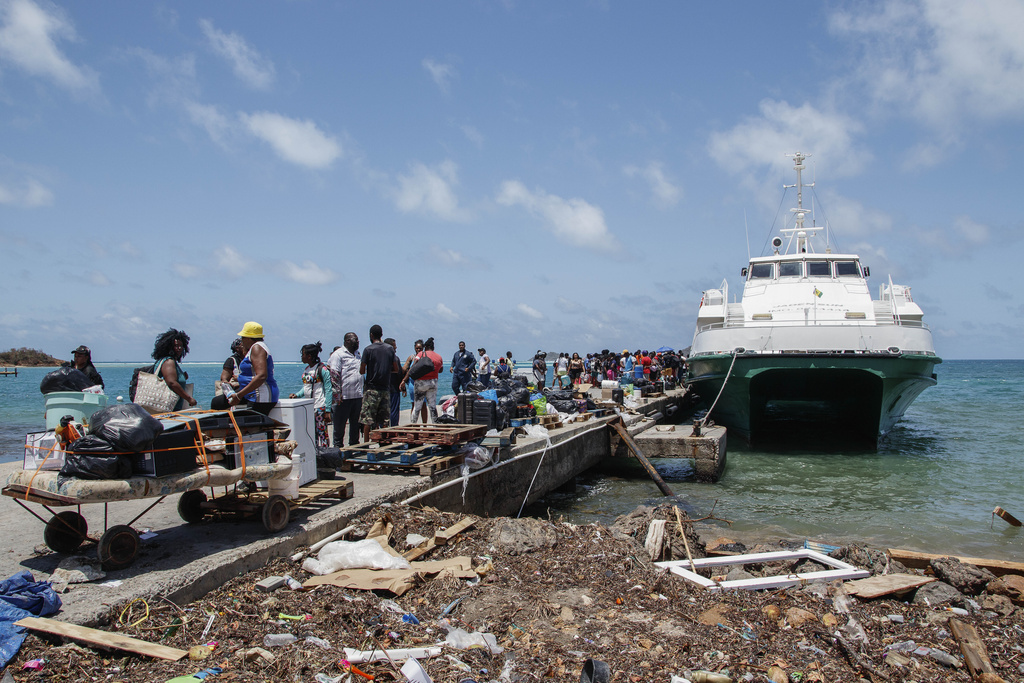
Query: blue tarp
point(664, 349)
point(22, 596)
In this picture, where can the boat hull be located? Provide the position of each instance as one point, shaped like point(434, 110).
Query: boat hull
point(859, 396)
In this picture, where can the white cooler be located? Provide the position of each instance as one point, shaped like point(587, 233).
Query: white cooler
point(297, 413)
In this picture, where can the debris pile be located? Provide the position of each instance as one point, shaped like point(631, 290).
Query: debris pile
point(536, 600)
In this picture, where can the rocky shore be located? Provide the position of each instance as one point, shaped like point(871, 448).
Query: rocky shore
point(547, 596)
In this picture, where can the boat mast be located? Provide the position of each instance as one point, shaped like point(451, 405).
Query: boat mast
point(802, 242)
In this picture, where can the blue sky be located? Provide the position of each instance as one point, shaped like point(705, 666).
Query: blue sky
point(520, 175)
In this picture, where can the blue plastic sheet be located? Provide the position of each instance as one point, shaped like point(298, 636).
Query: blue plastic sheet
point(21, 596)
point(24, 592)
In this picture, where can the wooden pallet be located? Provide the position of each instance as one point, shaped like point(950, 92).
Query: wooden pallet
point(546, 420)
point(424, 467)
point(406, 454)
point(444, 435)
point(312, 492)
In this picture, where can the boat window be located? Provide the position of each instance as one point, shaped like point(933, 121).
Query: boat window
point(818, 269)
point(790, 269)
point(762, 271)
point(847, 269)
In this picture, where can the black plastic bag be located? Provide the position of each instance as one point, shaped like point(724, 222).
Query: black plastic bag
point(328, 457)
point(558, 394)
point(501, 387)
point(475, 386)
point(90, 443)
point(127, 426)
point(521, 395)
point(64, 379)
point(445, 420)
point(564, 406)
point(90, 458)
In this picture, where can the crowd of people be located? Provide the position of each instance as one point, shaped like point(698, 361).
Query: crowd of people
point(628, 367)
point(357, 390)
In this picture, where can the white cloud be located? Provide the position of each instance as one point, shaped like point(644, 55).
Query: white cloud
point(308, 273)
point(430, 191)
point(445, 313)
point(186, 271)
point(209, 118)
point(971, 231)
point(30, 195)
point(849, 218)
point(941, 60)
point(299, 142)
point(28, 39)
point(98, 279)
point(230, 263)
point(130, 249)
point(249, 65)
point(529, 311)
point(665, 193)
point(448, 258)
point(783, 129)
point(441, 73)
point(473, 135)
point(573, 221)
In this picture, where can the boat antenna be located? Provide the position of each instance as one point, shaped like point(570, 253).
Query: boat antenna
point(802, 242)
point(746, 229)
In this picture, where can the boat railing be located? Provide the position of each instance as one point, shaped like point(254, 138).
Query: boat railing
point(737, 324)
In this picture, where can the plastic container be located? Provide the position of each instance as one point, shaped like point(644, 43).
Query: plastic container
point(79, 404)
point(609, 384)
point(278, 639)
point(289, 486)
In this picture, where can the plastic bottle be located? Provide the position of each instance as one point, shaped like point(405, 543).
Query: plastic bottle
point(228, 391)
point(292, 583)
point(706, 677)
point(278, 639)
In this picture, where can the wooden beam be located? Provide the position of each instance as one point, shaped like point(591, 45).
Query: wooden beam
point(916, 560)
point(440, 538)
point(103, 639)
point(972, 648)
point(653, 473)
point(1006, 516)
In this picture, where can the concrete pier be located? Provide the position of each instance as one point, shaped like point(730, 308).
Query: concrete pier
point(707, 450)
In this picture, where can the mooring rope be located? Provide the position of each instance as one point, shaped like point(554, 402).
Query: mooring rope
point(721, 389)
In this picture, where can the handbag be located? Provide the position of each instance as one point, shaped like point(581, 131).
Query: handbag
point(424, 365)
point(153, 394)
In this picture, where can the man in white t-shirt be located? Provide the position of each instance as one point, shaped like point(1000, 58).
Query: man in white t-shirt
point(483, 367)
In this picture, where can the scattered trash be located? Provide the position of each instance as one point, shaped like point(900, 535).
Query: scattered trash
point(368, 554)
point(319, 642)
point(595, 671)
point(34, 664)
point(278, 639)
point(415, 673)
point(197, 676)
point(354, 656)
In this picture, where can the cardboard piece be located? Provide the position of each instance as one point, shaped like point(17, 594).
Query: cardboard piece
point(398, 581)
point(886, 584)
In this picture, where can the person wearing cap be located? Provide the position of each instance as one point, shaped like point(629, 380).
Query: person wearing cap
point(258, 387)
point(82, 360)
point(483, 368)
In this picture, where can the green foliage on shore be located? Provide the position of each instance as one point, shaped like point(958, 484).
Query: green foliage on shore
point(27, 357)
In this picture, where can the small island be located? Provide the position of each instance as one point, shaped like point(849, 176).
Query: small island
point(32, 358)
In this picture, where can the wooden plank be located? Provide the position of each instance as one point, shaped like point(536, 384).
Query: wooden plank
point(104, 639)
point(916, 560)
point(972, 648)
point(440, 538)
point(885, 584)
point(38, 496)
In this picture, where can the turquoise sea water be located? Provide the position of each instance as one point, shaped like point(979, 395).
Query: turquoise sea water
point(931, 485)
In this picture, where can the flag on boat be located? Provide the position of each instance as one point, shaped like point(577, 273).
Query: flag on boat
point(818, 292)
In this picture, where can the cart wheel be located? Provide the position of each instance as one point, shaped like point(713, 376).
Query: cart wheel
point(276, 512)
point(118, 547)
point(65, 531)
point(190, 506)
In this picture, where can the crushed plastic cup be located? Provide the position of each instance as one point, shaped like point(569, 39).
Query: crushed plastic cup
point(278, 639)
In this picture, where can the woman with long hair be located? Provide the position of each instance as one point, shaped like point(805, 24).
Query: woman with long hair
point(169, 349)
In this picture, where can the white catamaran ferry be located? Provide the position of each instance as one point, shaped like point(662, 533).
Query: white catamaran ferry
point(808, 342)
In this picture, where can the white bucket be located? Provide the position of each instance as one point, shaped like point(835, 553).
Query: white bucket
point(289, 486)
point(609, 384)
